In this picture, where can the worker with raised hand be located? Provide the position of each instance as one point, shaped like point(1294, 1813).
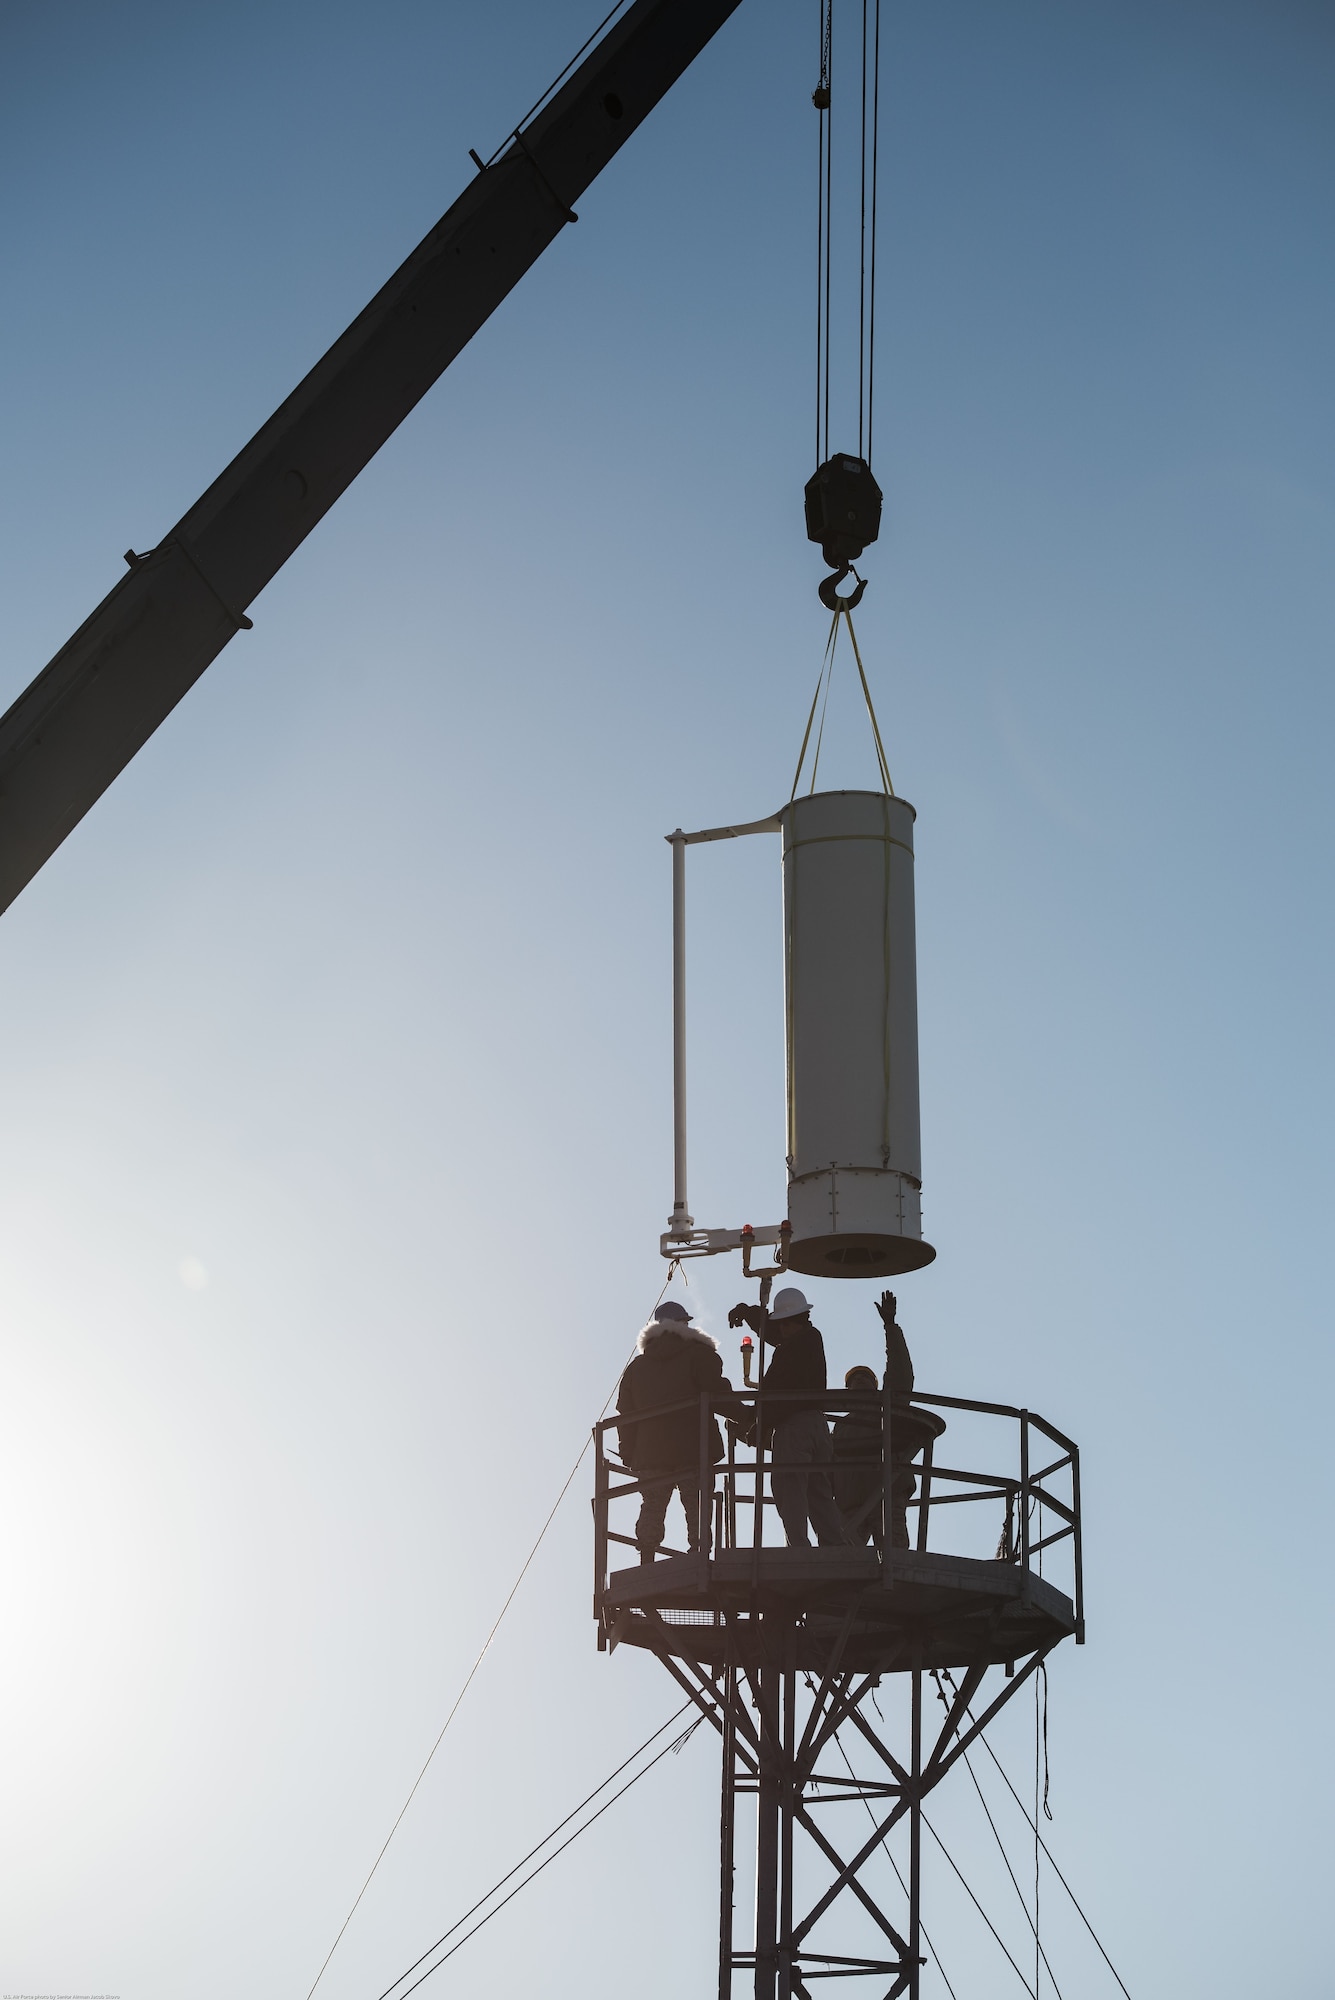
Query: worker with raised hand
point(898, 1359)
point(858, 1437)
point(796, 1432)
point(856, 1440)
point(899, 1375)
point(675, 1363)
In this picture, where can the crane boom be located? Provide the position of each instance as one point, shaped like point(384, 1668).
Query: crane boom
point(107, 689)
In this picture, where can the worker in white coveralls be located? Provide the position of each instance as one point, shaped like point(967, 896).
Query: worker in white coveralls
point(796, 1431)
point(674, 1364)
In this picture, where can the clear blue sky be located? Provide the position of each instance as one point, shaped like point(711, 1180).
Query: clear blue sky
point(334, 1043)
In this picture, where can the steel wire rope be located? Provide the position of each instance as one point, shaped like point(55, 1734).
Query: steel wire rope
point(557, 81)
point(967, 1890)
point(676, 1744)
point(1052, 1860)
point(875, 168)
point(868, 177)
point(1001, 1845)
point(978, 1906)
point(673, 1267)
point(544, 1842)
point(862, 234)
point(824, 216)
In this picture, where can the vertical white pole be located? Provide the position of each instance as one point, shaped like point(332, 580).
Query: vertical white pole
point(680, 1221)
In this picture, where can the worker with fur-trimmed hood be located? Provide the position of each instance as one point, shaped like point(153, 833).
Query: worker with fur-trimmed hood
point(675, 1364)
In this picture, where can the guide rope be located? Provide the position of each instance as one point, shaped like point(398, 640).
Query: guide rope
point(673, 1268)
point(673, 1747)
point(822, 99)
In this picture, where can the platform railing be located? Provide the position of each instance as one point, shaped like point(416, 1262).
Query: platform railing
point(1022, 1493)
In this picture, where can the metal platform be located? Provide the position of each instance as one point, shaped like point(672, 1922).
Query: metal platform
point(912, 1610)
point(782, 1650)
point(1015, 1477)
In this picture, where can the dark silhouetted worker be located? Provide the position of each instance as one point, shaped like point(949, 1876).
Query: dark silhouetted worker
point(797, 1432)
point(858, 1439)
point(675, 1363)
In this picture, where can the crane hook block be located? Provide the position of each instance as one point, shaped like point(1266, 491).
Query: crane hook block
point(843, 505)
point(844, 509)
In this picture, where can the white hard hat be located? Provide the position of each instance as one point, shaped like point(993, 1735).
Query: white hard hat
point(789, 1304)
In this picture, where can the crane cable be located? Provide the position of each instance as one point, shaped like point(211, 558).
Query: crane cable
point(673, 1267)
point(868, 175)
point(870, 302)
point(822, 101)
point(677, 1744)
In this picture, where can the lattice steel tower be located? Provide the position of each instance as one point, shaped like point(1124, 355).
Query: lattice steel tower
point(790, 1651)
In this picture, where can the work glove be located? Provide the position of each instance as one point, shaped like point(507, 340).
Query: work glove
point(746, 1315)
point(887, 1305)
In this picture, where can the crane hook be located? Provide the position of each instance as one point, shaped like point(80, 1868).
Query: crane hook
point(828, 589)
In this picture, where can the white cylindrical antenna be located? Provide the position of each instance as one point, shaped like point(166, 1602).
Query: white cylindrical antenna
point(854, 1154)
